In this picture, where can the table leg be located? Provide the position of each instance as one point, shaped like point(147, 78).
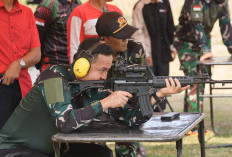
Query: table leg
point(179, 148)
point(211, 104)
point(211, 111)
point(198, 98)
point(201, 137)
point(56, 146)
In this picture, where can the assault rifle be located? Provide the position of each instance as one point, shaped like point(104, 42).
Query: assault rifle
point(139, 81)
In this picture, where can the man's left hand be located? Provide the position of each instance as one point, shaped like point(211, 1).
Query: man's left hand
point(172, 87)
point(206, 56)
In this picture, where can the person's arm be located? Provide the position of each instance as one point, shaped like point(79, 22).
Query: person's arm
point(195, 10)
point(43, 17)
point(138, 22)
point(173, 86)
point(43, 20)
point(69, 115)
point(225, 27)
point(14, 69)
point(139, 35)
point(75, 32)
point(68, 119)
point(30, 58)
point(194, 14)
point(190, 22)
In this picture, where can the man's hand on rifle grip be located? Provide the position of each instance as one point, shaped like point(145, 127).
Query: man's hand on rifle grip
point(116, 99)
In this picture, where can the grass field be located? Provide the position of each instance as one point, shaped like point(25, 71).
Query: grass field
point(222, 106)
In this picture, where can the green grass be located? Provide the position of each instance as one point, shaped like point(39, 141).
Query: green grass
point(222, 106)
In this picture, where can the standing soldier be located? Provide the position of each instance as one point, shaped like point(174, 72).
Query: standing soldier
point(193, 39)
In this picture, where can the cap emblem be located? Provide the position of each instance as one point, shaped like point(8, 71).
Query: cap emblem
point(122, 23)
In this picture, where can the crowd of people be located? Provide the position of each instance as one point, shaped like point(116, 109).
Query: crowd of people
point(70, 41)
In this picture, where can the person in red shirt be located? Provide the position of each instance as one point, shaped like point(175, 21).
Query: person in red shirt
point(19, 49)
point(82, 21)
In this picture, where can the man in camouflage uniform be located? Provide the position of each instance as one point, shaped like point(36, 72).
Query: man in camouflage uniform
point(53, 106)
point(193, 38)
point(113, 28)
point(125, 52)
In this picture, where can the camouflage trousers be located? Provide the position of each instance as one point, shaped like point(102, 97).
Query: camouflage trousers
point(130, 150)
point(189, 54)
point(135, 149)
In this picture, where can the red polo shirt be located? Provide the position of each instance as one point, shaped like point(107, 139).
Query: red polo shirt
point(18, 34)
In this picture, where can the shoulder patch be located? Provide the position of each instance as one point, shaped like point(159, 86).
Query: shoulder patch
point(54, 90)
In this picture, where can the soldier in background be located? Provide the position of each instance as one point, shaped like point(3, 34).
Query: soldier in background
point(193, 40)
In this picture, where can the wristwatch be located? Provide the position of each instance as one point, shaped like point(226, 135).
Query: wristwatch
point(22, 63)
point(158, 100)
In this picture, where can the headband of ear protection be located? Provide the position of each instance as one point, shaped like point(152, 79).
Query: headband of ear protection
point(82, 65)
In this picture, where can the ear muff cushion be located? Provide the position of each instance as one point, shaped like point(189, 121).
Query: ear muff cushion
point(81, 67)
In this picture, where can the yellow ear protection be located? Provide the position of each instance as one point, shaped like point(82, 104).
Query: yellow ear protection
point(82, 65)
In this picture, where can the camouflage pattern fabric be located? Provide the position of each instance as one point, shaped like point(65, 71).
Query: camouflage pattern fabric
point(130, 150)
point(88, 117)
point(189, 57)
point(52, 106)
point(197, 20)
point(193, 38)
point(80, 113)
point(92, 113)
point(134, 55)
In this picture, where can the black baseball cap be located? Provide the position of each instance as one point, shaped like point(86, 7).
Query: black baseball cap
point(114, 24)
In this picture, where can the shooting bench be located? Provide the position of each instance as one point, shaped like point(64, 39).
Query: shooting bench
point(209, 63)
point(154, 130)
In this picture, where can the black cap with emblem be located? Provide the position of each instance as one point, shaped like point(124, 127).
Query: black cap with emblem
point(114, 24)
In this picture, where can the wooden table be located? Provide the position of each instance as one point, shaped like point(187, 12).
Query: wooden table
point(154, 130)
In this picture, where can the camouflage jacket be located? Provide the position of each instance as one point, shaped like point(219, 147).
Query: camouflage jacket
point(134, 54)
point(197, 20)
point(51, 107)
point(86, 110)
